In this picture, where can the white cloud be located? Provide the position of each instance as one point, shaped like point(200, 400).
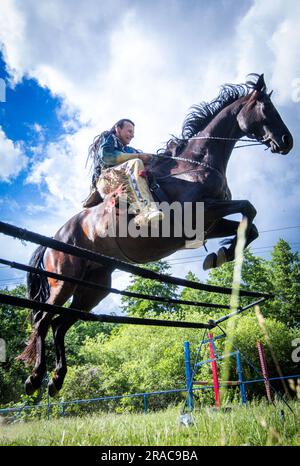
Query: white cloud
point(12, 158)
point(268, 41)
point(63, 168)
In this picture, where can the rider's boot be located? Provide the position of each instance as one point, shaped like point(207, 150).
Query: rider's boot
point(149, 212)
point(94, 198)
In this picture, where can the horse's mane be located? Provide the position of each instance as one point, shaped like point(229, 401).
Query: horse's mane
point(202, 114)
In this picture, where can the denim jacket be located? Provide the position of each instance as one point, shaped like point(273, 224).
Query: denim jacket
point(111, 151)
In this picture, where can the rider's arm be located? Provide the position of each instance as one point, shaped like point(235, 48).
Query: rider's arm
point(112, 156)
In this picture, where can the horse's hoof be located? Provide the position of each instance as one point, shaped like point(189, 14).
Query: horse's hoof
point(210, 262)
point(29, 386)
point(52, 390)
point(222, 257)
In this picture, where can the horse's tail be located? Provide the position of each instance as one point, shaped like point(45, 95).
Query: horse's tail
point(38, 290)
point(37, 285)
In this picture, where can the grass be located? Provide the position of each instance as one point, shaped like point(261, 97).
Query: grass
point(256, 424)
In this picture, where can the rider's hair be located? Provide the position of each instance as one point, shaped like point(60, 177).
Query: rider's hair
point(93, 148)
point(120, 124)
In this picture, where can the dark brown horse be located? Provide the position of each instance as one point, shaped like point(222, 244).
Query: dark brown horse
point(196, 173)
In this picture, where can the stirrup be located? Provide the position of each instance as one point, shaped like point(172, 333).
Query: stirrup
point(146, 217)
point(193, 244)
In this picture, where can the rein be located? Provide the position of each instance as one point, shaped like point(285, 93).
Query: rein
point(204, 164)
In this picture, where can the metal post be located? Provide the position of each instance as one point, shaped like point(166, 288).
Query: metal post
point(62, 408)
point(264, 369)
point(188, 376)
point(145, 403)
point(214, 369)
point(48, 406)
point(241, 378)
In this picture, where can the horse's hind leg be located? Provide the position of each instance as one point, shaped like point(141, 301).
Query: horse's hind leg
point(60, 326)
point(84, 299)
point(37, 344)
point(58, 295)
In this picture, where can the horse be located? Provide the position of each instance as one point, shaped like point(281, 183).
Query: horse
point(195, 171)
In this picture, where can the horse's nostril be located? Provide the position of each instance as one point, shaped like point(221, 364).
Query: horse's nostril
point(286, 140)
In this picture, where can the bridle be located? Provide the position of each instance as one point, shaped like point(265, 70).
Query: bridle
point(205, 164)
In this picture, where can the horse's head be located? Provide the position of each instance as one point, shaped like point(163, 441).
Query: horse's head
point(259, 118)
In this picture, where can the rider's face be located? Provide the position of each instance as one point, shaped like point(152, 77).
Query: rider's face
point(126, 133)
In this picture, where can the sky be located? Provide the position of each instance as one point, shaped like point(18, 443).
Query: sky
point(69, 70)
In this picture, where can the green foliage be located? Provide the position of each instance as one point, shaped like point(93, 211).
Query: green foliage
point(279, 276)
point(277, 340)
point(142, 307)
point(78, 334)
point(145, 359)
point(15, 330)
point(284, 272)
point(135, 359)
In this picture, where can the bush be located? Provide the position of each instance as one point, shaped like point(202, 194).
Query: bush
point(146, 359)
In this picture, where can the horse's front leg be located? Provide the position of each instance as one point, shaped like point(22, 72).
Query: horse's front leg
point(219, 227)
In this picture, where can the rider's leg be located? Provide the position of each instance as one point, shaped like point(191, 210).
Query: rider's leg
point(136, 190)
point(139, 186)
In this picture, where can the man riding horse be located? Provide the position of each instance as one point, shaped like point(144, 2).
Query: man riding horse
point(115, 164)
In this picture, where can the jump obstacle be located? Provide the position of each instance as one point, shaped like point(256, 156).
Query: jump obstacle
point(214, 357)
point(26, 235)
point(192, 384)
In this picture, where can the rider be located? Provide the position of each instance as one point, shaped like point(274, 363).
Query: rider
point(118, 163)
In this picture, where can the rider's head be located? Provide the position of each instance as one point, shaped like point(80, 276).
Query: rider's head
point(124, 130)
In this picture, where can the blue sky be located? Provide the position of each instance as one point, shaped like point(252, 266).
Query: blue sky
point(28, 107)
point(68, 80)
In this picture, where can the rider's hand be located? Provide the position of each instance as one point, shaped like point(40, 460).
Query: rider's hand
point(145, 157)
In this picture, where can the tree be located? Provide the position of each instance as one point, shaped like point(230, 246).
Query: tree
point(254, 277)
point(78, 334)
point(14, 330)
point(142, 307)
point(284, 272)
point(279, 276)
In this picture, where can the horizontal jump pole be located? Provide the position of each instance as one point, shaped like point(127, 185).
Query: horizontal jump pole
point(54, 309)
point(77, 281)
point(112, 263)
point(238, 311)
point(228, 382)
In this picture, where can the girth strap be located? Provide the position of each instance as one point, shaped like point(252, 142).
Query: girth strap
point(158, 193)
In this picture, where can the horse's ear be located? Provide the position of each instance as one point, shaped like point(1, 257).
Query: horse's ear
point(261, 85)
